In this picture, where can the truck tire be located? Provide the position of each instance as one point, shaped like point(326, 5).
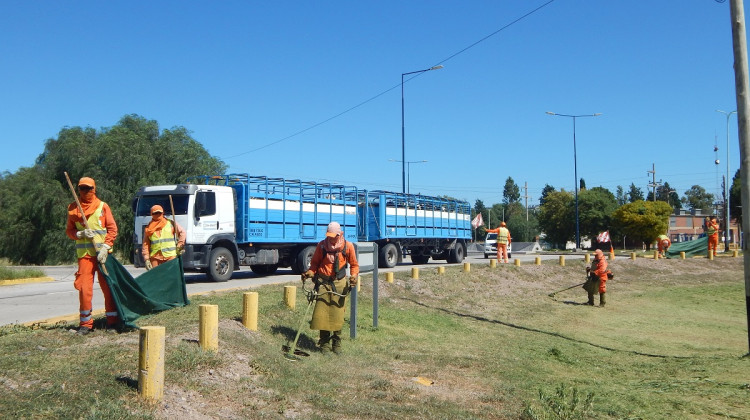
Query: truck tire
point(264, 269)
point(457, 254)
point(388, 256)
point(420, 259)
point(220, 265)
point(304, 257)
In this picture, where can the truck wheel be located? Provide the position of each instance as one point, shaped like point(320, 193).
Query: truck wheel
point(388, 256)
point(220, 265)
point(304, 257)
point(420, 259)
point(457, 254)
point(264, 269)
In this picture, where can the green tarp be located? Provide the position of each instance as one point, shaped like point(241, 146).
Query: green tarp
point(690, 248)
point(156, 290)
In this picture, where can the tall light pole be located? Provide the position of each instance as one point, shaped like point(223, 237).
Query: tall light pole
point(408, 171)
point(575, 167)
point(726, 186)
point(403, 142)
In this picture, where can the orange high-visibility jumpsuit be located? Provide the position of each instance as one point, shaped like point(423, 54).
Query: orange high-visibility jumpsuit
point(713, 236)
point(87, 266)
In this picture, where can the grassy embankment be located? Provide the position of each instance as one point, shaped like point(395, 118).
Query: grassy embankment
point(669, 344)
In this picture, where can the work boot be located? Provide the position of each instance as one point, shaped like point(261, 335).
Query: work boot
point(325, 341)
point(336, 342)
point(602, 299)
point(83, 330)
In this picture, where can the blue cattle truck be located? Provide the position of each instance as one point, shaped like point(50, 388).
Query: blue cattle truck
point(266, 223)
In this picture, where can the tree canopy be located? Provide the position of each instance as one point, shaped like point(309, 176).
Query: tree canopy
point(511, 192)
point(121, 159)
point(595, 208)
point(697, 198)
point(642, 220)
point(557, 217)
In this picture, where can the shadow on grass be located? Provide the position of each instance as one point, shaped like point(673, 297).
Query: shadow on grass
point(535, 330)
point(305, 342)
point(128, 381)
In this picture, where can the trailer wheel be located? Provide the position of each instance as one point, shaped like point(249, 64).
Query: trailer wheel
point(220, 265)
point(457, 254)
point(419, 259)
point(264, 269)
point(303, 258)
point(388, 256)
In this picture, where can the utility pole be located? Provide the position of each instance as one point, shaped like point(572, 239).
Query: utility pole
point(739, 44)
point(526, 198)
point(653, 184)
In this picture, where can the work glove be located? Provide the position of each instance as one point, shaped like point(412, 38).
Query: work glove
point(103, 253)
point(86, 232)
point(352, 281)
point(148, 265)
point(180, 250)
point(588, 268)
point(307, 275)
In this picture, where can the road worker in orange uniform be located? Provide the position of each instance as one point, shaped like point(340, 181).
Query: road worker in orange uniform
point(159, 244)
point(712, 231)
point(664, 243)
point(92, 245)
point(328, 266)
point(503, 240)
point(597, 279)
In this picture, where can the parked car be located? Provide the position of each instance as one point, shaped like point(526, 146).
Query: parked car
point(490, 246)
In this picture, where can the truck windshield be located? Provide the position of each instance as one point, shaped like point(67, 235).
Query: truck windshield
point(145, 203)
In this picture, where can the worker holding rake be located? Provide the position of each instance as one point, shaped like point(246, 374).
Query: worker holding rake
point(328, 270)
point(92, 226)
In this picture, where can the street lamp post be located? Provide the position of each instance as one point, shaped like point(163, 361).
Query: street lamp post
point(726, 186)
point(575, 167)
point(408, 171)
point(403, 142)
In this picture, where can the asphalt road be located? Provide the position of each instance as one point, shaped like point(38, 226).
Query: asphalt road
point(57, 300)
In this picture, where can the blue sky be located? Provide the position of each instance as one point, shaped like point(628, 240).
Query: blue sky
point(311, 89)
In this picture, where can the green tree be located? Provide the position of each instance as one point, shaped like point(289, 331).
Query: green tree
point(697, 198)
point(546, 190)
point(735, 199)
point(621, 196)
point(595, 208)
point(511, 192)
point(581, 184)
point(557, 218)
point(635, 193)
point(642, 220)
point(121, 159)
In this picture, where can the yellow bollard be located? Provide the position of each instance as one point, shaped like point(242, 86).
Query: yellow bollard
point(562, 260)
point(493, 263)
point(467, 267)
point(250, 310)
point(415, 273)
point(587, 258)
point(359, 282)
point(517, 262)
point(538, 261)
point(656, 255)
point(389, 277)
point(208, 334)
point(441, 270)
point(711, 255)
point(151, 362)
point(682, 255)
point(632, 256)
point(734, 253)
point(290, 296)
point(611, 255)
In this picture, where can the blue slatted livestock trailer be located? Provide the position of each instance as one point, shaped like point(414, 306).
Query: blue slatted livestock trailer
point(420, 226)
point(237, 219)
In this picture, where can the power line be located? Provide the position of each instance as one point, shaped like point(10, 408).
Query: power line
point(393, 87)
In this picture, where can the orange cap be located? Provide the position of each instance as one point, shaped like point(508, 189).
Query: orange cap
point(87, 181)
point(334, 230)
point(157, 209)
